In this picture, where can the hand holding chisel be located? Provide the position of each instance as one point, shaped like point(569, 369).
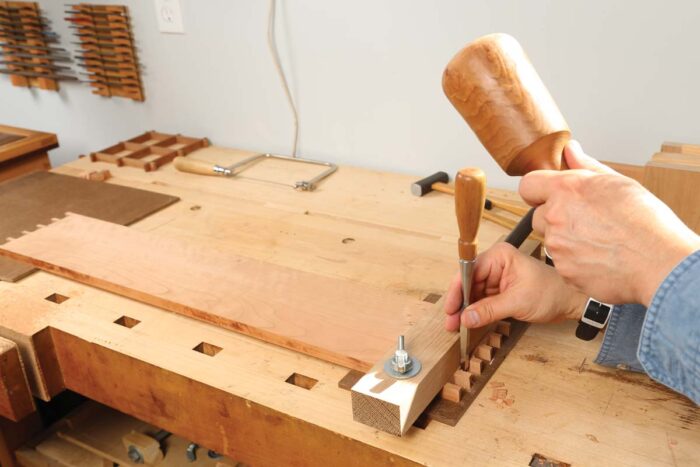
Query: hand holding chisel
point(470, 193)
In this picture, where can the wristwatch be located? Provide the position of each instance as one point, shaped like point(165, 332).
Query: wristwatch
point(595, 317)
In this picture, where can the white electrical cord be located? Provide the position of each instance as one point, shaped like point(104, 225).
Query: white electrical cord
point(271, 43)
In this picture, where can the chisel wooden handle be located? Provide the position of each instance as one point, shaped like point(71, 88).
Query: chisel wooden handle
point(185, 164)
point(495, 88)
point(470, 193)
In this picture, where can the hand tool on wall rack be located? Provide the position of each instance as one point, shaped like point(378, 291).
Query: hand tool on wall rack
point(27, 36)
point(106, 41)
point(59, 58)
point(24, 31)
point(32, 47)
point(184, 164)
point(30, 74)
point(517, 120)
point(106, 45)
point(94, 13)
point(85, 37)
point(36, 65)
point(470, 195)
point(90, 64)
point(25, 24)
point(100, 58)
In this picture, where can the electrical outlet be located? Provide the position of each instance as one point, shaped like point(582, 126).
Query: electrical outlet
point(169, 14)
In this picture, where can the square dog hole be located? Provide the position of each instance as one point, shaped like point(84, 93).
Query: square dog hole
point(207, 349)
point(302, 381)
point(127, 322)
point(57, 298)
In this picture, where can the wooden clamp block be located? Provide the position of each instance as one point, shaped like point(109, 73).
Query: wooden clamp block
point(16, 400)
point(452, 392)
point(392, 405)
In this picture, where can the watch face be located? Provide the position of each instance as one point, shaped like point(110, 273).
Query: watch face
point(598, 312)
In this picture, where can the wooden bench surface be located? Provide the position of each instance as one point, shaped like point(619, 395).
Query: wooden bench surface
point(231, 393)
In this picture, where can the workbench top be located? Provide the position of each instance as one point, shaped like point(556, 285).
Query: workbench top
point(362, 226)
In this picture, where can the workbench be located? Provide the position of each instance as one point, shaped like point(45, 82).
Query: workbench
point(359, 225)
point(23, 151)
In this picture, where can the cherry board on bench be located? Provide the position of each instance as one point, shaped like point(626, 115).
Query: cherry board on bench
point(342, 322)
point(40, 196)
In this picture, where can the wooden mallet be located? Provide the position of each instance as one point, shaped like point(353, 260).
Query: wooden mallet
point(495, 88)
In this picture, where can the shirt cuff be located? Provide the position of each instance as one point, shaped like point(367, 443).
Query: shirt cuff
point(621, 339)
point(669, 346)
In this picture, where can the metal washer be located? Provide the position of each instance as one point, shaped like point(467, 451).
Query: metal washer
point(415, 369)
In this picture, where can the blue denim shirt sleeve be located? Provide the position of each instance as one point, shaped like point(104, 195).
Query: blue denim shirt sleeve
point(621, 340)
point(663, 341)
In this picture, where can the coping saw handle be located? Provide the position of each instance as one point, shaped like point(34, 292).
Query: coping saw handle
point(470, 194)
point(195, 166)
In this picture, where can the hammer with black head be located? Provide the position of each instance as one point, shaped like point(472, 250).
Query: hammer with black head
point(439, 182)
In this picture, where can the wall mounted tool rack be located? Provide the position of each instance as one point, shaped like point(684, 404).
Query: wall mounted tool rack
point(149, 150)
point(27, 48)
point(108, 54)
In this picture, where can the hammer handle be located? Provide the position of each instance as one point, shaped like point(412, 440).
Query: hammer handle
point(470, 194)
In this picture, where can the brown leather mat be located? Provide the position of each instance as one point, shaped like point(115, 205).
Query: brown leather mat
point(38, 197)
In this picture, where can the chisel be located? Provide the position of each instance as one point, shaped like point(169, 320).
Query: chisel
point(95, 13)
point(470, 195)
point(35, 65)
point(103, 44)
point(99, 66)
point(27, 37)
point(96, 28)
point(55, 58)
point(32, 47)
point(14, 24)
point(100, 36)
point(30, 74)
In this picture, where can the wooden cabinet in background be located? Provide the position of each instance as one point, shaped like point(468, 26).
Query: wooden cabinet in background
point(24, 151)
point(673, 175)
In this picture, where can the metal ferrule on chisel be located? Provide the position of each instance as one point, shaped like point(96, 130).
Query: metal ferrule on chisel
point(466, 268)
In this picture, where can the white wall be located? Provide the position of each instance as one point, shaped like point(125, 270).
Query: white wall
point(366, 77)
